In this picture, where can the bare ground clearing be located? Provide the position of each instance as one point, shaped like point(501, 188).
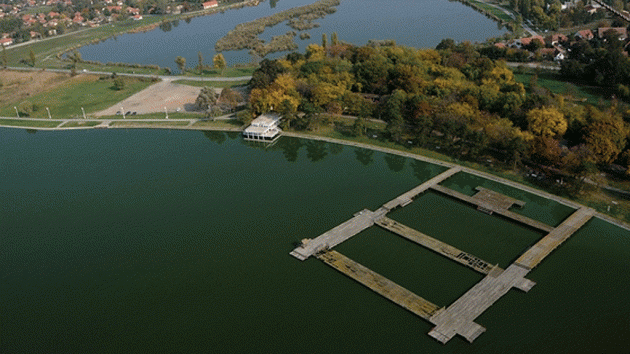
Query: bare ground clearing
point(155, 97)
point(18, 86)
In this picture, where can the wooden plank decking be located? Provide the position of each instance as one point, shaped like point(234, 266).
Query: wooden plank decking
point(361, 221)
point(437, 246)
point(379, 284)
point(547, 244)
point(406, 198)
point(484, 204)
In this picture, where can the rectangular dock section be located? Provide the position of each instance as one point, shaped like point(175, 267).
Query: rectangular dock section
point(406, 198)
point(437, 246)
point(532, 257)
point(459, 317)
point(361, 221)
point(479, 202)
point(379, 284)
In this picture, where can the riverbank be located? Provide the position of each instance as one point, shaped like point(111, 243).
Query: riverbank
point(376, 143)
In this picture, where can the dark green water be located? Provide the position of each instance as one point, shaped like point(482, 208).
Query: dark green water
point(167, 241)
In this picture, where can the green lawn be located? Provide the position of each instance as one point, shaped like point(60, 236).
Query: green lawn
point(228, 72)
point(217, 84)
point(228, 124)
point(149, 124)
point(88, 92)
point(159, 115)
point(493, 10)
point(90, 123)
point(30, 123)
point(556, 84)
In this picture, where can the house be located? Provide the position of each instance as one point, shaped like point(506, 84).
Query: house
point(527, 41)
point(263, 128)
point(133, 10)
point(500, 45)
point(210, 4)
point(556, 38)
point(137, 17)
point(584, 34)
point(35, 35)
point(622, 32)
point(6, 42)
point(559, 57)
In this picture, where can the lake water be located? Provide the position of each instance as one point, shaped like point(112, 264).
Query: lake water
point(177, 241)
point(417, 23)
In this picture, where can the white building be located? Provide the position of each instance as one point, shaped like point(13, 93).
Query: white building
point(263, 128)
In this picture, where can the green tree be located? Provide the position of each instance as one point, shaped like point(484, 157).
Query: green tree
point(547, 122)
point(334, 39)
point(324, 40)
point(200, 65)
point(207, 97)
point(181, 64)
point(219, 62)
point(119, 83)
point(231, 97)
point(25, 108)
point(31, 56)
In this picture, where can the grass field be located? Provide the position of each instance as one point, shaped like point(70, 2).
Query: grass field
point(30, 123)
point(217, 84)
point(158, 115)
point(149, 124)
point(493, 10)
point(65, 101)
point(228, 124)
point(554, 83)
point(73, 124)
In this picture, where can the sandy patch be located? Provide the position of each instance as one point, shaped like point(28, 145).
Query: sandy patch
point(155, 97)
point(19, 85)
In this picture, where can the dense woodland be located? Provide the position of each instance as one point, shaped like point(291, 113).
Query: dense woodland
point(468, 104)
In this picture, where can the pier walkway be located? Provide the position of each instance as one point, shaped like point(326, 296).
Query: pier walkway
point(379, 284)
point(547, 244)
point(406, 198)
point(361, 221)
point(437, 246)
point(458, 317)
point(485, 203)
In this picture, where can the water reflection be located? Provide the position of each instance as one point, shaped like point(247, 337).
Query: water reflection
point(395, 163)
point(364, 156)
point(316, 150)
point(422, 170)
point(215, 136)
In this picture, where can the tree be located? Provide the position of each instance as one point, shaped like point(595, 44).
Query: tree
point(547, 122)
point(181, 63)
point(25, 108)
point(219, 62)
point(334, 39)
point(119, 83)
point(200, 65)
point(207, 97)
point(31, 55)
point(231, 97)
point(324, 40)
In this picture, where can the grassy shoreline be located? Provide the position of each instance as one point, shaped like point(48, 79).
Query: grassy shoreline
point(620, 215)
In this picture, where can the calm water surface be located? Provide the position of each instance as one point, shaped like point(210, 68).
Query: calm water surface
point(416, 23)
point(177, 241)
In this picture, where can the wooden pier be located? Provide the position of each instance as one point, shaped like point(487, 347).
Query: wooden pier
point(458, 318)
point(485, 203)
point(406, 198)
point(361, 221)
point(547, 244)
point(379, 284)
point(437, 246)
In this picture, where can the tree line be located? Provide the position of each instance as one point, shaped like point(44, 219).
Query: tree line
point(467, 103)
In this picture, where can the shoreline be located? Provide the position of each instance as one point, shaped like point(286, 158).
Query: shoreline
point(482, 174)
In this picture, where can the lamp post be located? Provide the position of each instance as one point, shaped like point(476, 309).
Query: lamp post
point(16, 112)
point(123, 111)
point(83, 110)
point(165, 111)
point(48, 110)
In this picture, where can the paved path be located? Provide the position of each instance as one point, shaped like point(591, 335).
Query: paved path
point(149, 76)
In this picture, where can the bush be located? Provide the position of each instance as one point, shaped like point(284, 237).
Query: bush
point(25, 108)
point(119, 83)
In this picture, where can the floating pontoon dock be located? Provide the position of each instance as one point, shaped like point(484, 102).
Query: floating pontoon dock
point(459, 317)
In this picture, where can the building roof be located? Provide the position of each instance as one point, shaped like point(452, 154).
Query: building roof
point(621, 31)
point(211, 3)
point(586, 34)
point(266, 120)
